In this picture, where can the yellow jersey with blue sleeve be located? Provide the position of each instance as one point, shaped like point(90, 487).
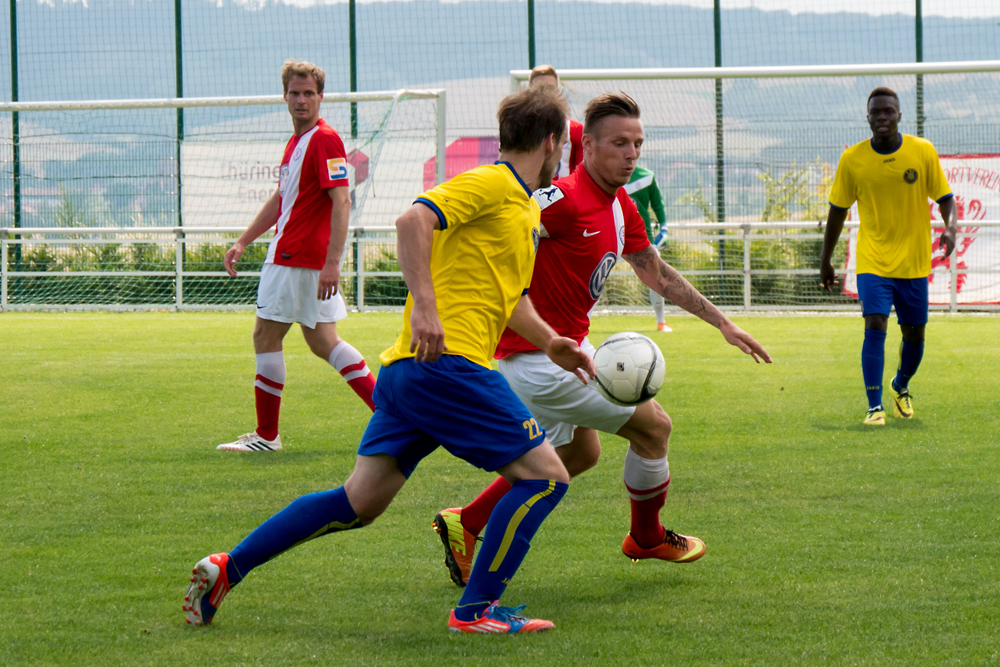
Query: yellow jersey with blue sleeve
point(892, 189)
point(481, 260)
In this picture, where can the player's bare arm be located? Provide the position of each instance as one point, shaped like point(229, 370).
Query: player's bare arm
point(949, 213)
point(340, 215)
point(665, 279)
point(834, 226)
point(564, 352)
point(263, 221)
point(414, 239)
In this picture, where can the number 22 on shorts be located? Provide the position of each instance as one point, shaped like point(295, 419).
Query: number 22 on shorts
point(534, 430)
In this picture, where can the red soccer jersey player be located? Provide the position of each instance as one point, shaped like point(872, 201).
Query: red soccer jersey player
point(589, 223)
point(585, 231)
point(299, 279)
point(546, 75)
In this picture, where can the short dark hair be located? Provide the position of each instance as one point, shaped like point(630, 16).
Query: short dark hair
point(882, 91)
point(606, 105)
point(528, 116)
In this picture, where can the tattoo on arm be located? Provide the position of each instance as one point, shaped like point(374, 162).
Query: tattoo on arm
point(670, 284)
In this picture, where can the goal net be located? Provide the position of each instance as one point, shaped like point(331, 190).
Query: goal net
point(745, 158)
point(135, 202)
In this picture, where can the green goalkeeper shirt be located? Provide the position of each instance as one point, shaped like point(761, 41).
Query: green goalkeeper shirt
point(644, 192)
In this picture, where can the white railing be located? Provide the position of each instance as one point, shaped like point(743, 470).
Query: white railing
point(773, 72)
point(176, 240)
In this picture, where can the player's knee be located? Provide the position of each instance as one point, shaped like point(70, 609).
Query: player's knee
point(368, 512)
point(587, 461)
point(914, 335)
point(580, 462)
point(878, 322)
point(320, 349)
point(655, 438)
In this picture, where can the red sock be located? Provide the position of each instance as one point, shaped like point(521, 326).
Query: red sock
point(361, 380)
point(477, 513)
point(351, 365)
point(267, 396)
point(646, 528)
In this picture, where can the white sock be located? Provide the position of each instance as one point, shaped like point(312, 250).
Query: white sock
point(271, 366)
point(656, 301)
point(344, 356)
point(645, 478)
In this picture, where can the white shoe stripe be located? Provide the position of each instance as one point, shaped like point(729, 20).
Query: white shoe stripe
point(354, 375)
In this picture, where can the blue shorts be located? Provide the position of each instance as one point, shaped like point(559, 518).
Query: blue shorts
point(909, 295)
point(467, 409)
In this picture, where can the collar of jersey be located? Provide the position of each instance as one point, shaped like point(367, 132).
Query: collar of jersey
point(516, 175)
point(872, 142)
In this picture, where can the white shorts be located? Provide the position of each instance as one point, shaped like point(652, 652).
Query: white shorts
point(557, 398)
point(288, 294)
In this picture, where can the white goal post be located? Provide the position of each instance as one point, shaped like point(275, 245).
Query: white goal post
point(744, 148)
point(71, 171)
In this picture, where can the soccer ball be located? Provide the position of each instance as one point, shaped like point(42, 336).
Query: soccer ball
point(630, 368)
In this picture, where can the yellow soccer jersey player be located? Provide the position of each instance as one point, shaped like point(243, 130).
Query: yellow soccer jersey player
point(892, 189)
point(488, 238)
point(891, 176)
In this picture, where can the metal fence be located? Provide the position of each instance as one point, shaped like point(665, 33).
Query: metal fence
point(740, 266)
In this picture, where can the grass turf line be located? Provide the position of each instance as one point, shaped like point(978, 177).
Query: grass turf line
point(827, 543)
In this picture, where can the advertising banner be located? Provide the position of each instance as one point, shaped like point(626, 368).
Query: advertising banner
point(975, 181)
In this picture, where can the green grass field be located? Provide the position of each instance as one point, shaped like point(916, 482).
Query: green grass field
point(827, 543)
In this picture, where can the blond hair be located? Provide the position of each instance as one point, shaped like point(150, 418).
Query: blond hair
point(304, 69)
point(543, 70)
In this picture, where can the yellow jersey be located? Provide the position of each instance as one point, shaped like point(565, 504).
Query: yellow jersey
point(481, 260)
point(892, 189)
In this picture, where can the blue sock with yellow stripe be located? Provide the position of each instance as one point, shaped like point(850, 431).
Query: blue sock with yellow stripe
point(304, 519)
point(514, 521)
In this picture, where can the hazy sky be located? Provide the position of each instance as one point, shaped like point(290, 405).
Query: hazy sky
point(949, 8)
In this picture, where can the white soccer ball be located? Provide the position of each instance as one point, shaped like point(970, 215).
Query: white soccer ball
point(630, 368)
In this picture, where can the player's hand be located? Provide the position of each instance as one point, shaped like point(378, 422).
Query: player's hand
point(566, 354)
point(232, 256)
point(741, 339)
point(948, 241)
point(827, 276)
point(428, 334)
point(329, 280)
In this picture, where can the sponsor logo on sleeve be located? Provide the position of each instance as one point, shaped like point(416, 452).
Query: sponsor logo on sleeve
point(547, 196)
point(336, 168)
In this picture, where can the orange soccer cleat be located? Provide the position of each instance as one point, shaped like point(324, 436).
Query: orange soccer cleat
point(675, 548)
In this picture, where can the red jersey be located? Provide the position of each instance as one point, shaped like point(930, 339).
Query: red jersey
point(584, 233)
point(572, 155)
point(312, 163)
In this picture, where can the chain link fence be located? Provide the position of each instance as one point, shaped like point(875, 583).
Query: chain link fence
point(738, 266)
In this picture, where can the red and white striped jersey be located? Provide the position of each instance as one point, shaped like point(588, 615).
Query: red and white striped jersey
point(585, 231)
point(572, 150)
point(312, 163)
